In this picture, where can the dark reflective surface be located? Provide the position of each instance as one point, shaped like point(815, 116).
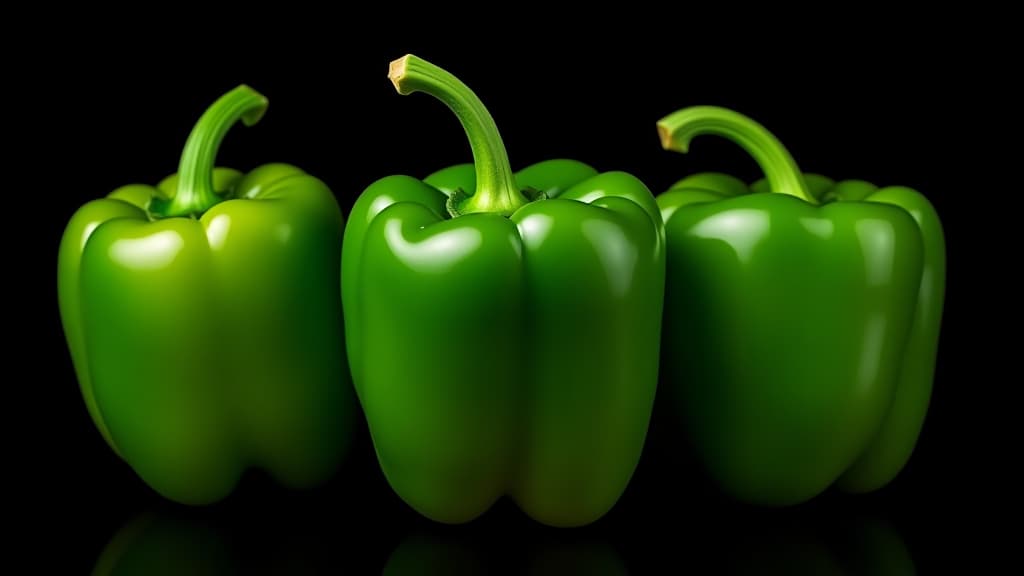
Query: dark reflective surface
point(313, 534)
point(175, 540)
point(841, 545)
point(175, 543)
point(433, 552)
point(669, 520)
point(164, 544)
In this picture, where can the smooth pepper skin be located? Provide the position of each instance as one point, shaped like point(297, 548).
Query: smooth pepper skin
point(801, 320)
point(208, 343)
point(506, 354)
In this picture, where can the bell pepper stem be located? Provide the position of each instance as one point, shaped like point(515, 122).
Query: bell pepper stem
point(196, 193)
point(784, 177)
point(496, 191)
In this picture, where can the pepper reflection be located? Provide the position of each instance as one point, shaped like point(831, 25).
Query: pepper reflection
point(205, 543)
point(793, 544)
point(154, 544)
point(451, 554)
point(842, 545)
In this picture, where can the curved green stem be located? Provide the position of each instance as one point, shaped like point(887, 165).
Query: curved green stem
point(496, 190)
point(196, 193)
point(783, 175)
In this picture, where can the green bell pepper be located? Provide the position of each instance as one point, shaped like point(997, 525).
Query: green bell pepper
point(203, 319)
point(802, 319)
point(501, 345)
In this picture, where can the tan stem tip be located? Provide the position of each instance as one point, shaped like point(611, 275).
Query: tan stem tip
point(665, 135)
point(396, 71)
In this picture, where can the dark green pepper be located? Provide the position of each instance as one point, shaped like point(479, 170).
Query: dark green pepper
point(802, 319)
point(503, 342)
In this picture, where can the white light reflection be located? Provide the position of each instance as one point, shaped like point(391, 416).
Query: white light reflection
point(149, 253)
point(217, 230)
point(436, 254)
point(87, 232)
point(591, 196)
point(534, 229)
point(741, 229)
point(378, 205)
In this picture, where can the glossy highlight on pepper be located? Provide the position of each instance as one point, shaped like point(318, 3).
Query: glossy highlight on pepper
point(801, 319)
point(503, 327)
point(203, 319)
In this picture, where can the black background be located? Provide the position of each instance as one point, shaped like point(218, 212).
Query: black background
point(876, 104)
